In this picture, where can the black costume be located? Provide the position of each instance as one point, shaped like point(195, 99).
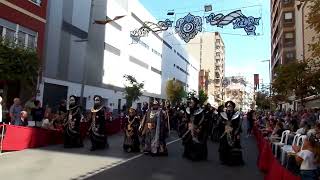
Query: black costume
point(195, 133)
point(98, 134)
point(72, 137)
point(131, 129)
point(230, 147)
point(154, 129)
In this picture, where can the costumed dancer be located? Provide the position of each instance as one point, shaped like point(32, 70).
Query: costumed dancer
point(97, 131)
point(154, 130)
point(131, 130)
point(72, 136)
point(230, 148)
point(195, 132)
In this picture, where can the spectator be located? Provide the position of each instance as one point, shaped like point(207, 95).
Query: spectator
point(37, 113)
point(15, 111)
point(23, 120)
point(28, 106)
point(47, 122)
point(307, 158)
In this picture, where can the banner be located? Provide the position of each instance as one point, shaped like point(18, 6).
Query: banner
point(256, 81)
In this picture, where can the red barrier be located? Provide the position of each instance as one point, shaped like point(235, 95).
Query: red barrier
point(19, 138)
point(268, 163)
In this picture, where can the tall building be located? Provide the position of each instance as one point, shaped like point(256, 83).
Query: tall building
point(236, 91)
point(283, 44)
point(22, 22)
point(81, 53)
point(209, 49)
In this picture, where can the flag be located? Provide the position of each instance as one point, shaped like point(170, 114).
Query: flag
point(256, 81)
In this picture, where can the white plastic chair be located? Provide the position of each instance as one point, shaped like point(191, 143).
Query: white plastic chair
point(288, 148)
point(283, 141)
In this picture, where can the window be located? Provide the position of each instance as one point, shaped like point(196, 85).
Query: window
point(38, 2)
point(22, 39)
point(289, 39)
point(290, 55)
point(218, 40)
point(288, 17)
point(217, 47)
point(10, 35)
point(217, 54)
point(31, 41)
point(287, 1)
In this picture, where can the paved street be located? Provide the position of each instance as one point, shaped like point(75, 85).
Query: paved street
point(57, 163)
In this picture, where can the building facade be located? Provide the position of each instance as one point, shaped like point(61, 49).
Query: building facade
point(81, 52)
point(22, 22)
point(283, 32)
point(209, 49)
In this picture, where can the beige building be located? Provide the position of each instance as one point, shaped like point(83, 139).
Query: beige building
point(209, 49)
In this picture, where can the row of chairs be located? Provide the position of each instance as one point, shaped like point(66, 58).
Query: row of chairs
point(283, 148)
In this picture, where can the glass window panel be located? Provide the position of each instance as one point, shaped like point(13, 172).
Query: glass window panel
point(9, 36)
point(31, 41)
point(289, 35)
point(22, 39)
point(288, 16)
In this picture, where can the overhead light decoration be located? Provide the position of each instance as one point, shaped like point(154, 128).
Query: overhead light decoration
point(189, 26)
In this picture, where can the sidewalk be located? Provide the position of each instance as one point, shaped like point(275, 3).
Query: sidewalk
point(57, 163)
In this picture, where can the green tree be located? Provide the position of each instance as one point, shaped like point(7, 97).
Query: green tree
point(18, 64)
point(175, 91)
point(133, 91)
point(296, 78)
point(203, 97)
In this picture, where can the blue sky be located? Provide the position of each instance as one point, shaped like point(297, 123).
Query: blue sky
point(243, 53)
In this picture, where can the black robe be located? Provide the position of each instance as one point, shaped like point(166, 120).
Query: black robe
point(131, 134)
point(194, 135)
point(72, 137)
point(98, 134)
point(230, 148)
point(154, 132)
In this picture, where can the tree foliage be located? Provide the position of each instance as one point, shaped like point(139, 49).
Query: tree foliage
point(296, 78)
point(203, 97)
point(314, 23)
point(133, 90)
point(18, 64)
point(175, 91)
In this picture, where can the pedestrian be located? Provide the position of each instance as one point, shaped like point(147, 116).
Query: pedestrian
point(72, 137)
point(196, 132)
point(230, 148)
point(15, 111)
point(154, 128)
point(131, 132)
point(97, 131)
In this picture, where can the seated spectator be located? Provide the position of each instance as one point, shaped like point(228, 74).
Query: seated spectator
point(23, 119)
point(308, 159)
point(304, 128)
point(277, 132)
point(47, 122)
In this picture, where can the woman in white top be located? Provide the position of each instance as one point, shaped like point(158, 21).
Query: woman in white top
point(308, 159)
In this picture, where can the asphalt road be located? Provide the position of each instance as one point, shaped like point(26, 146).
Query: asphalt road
point(174, 167)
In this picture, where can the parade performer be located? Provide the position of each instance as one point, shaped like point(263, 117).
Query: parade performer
point(230, 148)
point(154, 130)
point(72, 136)
point(131, 132)
point(97, 131)
point(195, 132)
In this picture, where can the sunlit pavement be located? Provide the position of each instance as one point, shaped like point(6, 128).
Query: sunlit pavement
point(57, 163)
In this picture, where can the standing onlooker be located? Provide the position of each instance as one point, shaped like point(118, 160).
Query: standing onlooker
point(28, 106)
point(15, 111)
point(37, 113)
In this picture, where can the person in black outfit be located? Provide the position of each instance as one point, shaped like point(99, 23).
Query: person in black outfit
point(250, 119)
point(37, 113)
point(98, 134)
point(230, 148)
point(72, 137)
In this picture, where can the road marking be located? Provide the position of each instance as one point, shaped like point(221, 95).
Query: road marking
point(112, 165)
